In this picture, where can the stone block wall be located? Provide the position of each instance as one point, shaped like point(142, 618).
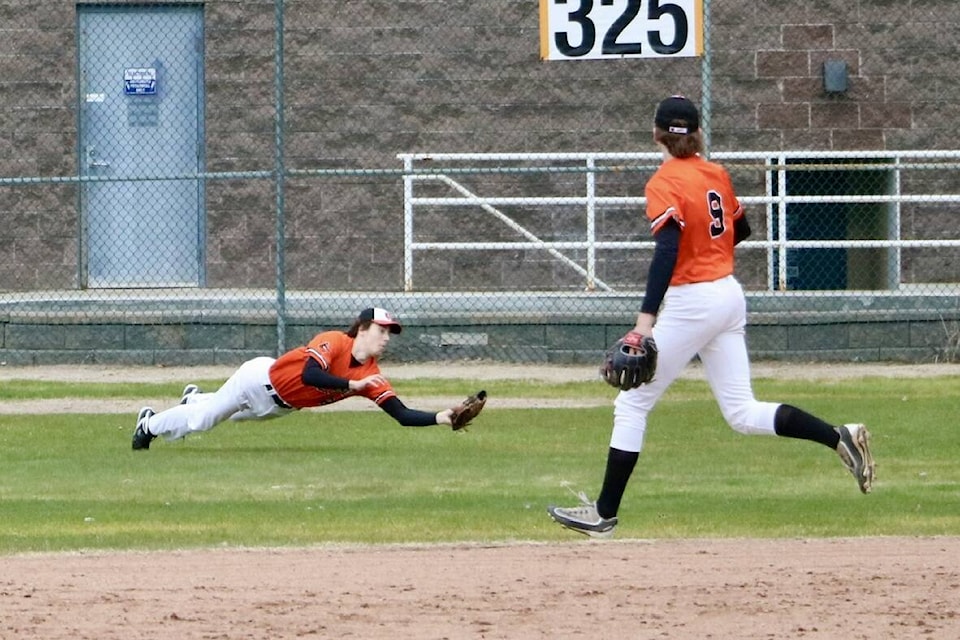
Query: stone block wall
point(366, 80)
point(805, 339)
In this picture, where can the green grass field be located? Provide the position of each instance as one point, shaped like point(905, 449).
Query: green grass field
point(71, 482)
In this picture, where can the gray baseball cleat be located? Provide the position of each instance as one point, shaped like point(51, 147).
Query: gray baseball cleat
point(854, 450)
point(142, 436)
point(583, 519)
point(188, 391)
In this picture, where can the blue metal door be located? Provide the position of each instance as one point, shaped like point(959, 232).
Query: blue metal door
point(141, 143)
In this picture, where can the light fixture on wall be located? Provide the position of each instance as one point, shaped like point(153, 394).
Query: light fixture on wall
point(835, 76)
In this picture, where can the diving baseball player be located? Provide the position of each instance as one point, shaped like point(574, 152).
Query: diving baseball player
point(333, 366)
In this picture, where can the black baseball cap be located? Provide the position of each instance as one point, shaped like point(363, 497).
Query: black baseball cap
point(676, 114)
point(381, 317)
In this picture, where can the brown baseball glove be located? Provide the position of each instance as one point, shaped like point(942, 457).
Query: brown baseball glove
point(467, 410)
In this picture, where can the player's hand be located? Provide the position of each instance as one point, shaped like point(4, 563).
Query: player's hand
point(445, 417)
point(369, 381)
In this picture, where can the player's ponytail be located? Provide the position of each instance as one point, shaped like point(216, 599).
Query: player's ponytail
point(679, 145)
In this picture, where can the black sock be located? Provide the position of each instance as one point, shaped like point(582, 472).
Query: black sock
point(791, 422)
point(620, 465)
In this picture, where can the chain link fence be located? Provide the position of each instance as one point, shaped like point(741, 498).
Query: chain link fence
point(195, 183)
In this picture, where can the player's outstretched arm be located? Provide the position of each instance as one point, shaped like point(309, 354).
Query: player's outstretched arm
point(408, 417)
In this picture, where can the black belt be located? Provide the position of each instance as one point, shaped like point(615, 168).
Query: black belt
point(276, 398)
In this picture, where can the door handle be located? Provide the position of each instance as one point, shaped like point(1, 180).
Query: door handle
point(92, 162)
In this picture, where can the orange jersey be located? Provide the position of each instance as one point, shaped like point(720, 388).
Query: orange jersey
point(699, 195)
point(332, 350)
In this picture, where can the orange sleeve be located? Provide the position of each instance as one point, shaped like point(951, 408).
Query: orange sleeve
point(738, 208)
point(661, 203)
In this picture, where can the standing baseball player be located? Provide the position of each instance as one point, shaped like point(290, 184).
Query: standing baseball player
point(333, 366)
point(693, 306)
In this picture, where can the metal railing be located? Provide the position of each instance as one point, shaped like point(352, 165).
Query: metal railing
point(420, 168)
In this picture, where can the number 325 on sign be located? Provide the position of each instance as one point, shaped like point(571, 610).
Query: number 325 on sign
point(598, 29)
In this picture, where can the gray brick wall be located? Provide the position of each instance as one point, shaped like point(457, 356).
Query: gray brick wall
point(366, 80)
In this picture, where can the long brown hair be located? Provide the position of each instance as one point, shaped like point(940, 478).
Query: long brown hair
point(680, 145)
point(357, 326)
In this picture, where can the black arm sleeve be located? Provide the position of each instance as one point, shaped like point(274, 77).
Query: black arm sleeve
point(741, 229)
point(316, 376)
point(406, 416)
point(661, 267)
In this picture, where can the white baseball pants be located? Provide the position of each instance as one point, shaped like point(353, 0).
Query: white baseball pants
point(246, 395)
point(705, 318)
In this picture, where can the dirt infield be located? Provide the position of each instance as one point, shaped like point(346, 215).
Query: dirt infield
point(854, 589)
point(896, 588)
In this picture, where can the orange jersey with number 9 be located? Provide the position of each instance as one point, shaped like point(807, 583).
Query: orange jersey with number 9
point(699, 196)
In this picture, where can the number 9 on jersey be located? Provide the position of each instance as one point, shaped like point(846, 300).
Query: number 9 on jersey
point(597, 29)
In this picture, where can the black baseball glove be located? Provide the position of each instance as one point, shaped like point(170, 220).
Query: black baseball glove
point(630, 362)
